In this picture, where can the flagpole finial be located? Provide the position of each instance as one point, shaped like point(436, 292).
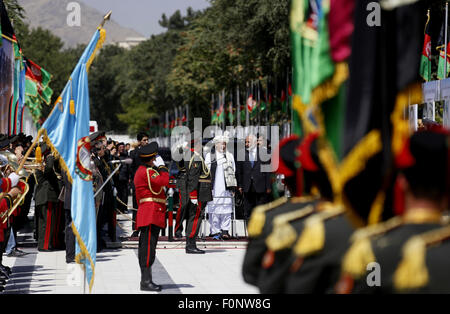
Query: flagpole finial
point(107, 17)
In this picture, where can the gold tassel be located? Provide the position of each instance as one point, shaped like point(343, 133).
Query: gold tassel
point(72, 107)
point(312, 238)
point(282, 237)
point(412, 271)
point(38, 154)
point(358, 257)
point(256, 224)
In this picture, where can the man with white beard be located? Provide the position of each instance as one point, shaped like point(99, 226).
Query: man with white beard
point(223, 180)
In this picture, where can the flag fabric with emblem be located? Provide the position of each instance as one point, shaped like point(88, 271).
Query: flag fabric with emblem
point(425, 61)
point(66, 130)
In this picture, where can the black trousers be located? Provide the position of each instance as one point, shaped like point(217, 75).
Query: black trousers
point(181, 217)
point(69, 237)
point(251, 200)
point(51, 226)
point(135, 205)
point(148, 239)
point(7, 233)
point(194, 220)
point(122, 194)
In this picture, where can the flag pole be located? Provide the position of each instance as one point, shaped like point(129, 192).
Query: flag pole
point(107, 17)
point(445, 46)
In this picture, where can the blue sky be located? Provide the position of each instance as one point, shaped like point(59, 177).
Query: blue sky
point(143, 15)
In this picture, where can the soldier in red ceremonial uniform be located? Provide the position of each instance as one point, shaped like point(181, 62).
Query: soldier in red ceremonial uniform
point(9, 189)
point(150, 180)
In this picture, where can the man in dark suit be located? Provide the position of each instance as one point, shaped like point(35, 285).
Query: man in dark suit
point(253, 181)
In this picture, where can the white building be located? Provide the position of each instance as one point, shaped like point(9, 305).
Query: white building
point(131, 42)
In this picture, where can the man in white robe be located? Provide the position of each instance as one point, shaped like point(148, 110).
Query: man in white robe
point(222, 166)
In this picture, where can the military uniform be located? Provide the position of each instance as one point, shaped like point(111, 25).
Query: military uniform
point(315, 261)
point(199, 188)
point(381, 243)
point(183, 198)
point(151, 216)
point(423, 164)
point(259, 227)
point(424, 264)
point(49, 209)
point(286, 228)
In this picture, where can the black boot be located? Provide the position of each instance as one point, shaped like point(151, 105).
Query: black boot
point(146, 281)
point(191, 247)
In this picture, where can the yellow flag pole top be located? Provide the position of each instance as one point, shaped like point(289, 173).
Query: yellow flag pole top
point(107, 17)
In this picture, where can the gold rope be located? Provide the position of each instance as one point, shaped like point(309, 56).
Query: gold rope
point(99, 45)
point(149, 184)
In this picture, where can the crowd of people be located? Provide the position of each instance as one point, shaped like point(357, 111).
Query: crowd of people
point(44, 182)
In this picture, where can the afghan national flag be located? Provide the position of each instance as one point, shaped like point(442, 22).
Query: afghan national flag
point(442, 57)
point(425, 61)
point(251, 104)
point(320, 38)
point(231, 112)
point(37, 81)
point(283, 100)
point(383, 81)
point(321, 34)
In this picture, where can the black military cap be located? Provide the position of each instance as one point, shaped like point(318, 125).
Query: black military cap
point(425, 161)
point(4, 143)
point(148, 151)
point(97, 136)
point(13, 139)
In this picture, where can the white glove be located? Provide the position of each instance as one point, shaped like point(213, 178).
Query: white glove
point(159, 162)
point(195, 202)
point(14, 179)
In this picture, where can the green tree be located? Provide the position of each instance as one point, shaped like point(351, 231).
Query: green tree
point(147, 66)
point(16, 12)
point(229, 44)
point(105, 90)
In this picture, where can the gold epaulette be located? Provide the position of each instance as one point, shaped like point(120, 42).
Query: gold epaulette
point(377, 229)
point(283, 234)
point(312, 239)
point(360, 253)
point(258, 217)
point(412, 272)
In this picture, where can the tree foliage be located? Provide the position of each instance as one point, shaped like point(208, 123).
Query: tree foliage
point(200, 53)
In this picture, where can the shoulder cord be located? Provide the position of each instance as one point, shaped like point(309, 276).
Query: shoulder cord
point(205, 171)
point(149, 184)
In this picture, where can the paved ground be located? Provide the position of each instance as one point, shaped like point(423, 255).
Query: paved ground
point(117, 270)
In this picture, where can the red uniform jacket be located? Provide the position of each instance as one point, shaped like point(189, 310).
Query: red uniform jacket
point(151, 212)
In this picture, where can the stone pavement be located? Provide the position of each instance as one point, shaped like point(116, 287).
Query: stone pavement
point(117, 270)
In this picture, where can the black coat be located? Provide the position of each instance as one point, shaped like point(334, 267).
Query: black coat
point(198, 180)
point(246, 174)
point(48, 185)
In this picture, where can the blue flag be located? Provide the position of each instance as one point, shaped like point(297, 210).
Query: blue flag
point(66, 131)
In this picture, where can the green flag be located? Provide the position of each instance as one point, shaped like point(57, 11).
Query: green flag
point(425, 61)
